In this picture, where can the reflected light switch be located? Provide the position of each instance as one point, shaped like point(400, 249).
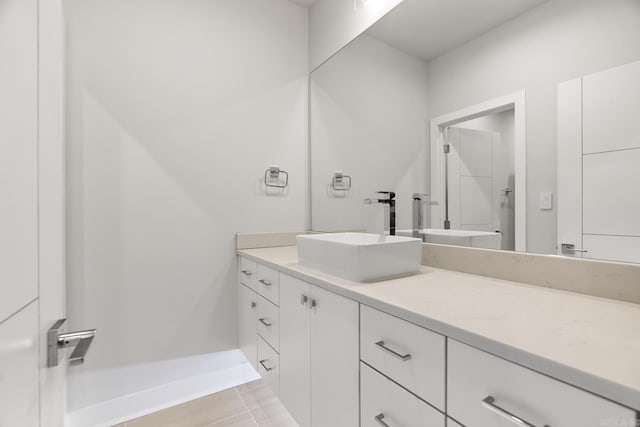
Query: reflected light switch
point(546, 201)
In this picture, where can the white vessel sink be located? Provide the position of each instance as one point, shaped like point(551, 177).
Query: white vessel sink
point(360, 257)
point(476, 239)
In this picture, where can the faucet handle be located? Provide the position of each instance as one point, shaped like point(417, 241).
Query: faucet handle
point(391, 194)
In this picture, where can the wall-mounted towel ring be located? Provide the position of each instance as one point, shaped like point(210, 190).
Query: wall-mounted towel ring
point(272, 177)
point(341, 182)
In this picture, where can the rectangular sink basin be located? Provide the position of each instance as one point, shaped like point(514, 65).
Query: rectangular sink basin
point(476, 239)
point(361, 257)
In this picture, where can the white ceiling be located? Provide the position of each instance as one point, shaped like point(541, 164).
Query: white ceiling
point(304, 3)
point(428, 28)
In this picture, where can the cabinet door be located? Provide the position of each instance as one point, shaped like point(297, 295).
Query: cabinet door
point(295, 375)
point(334, 360)
point(247, 324)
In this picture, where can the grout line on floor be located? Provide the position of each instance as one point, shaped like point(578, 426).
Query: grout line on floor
point(253, 417)
point(219, 422)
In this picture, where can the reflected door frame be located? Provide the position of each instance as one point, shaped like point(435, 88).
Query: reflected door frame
point(437, 126)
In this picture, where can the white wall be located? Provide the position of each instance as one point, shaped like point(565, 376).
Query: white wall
point(334, 23)
point(369, 120)
point(175, 109)
point(560, 40)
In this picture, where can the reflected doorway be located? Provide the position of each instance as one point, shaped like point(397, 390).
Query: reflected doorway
point(480, 177)
point(478, 172)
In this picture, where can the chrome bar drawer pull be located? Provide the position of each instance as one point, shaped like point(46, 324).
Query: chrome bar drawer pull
point(265, 282)
point(266, 368)
point(379, 419)
point(247, 272)
point(403, 357)
point(489, 403)
point(265, 322)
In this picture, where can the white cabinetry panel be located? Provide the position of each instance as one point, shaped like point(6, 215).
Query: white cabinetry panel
point(247, 327)
point(295, 357)
point(19, 390)
point(614, 248)
point(611, 106)
point(18, 154)
point(247, 272)
point(611, 195)
point(473, 375)
point(398, 407)
point(268, 283)
point(423, 373)
point(334, 360)
point(269, 322)
point(269, 365)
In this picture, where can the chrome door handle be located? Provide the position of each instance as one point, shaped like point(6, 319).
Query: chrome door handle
point(81, 340)
point(304, 299)
point(265, 282)
point(266, 368)
point(570, 247)
point(379, 419)
point(253, 304)
point(313, 303)
point(246, 272)
point(403, 357)
point(265, 322)
point(489, 403)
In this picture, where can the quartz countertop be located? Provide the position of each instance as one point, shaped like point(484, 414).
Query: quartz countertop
point(590, 342)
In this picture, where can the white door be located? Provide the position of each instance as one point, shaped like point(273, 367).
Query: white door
point(31, 210)
point(334, 360)
point(474, 180)
point(295, 358)
point(598, 158)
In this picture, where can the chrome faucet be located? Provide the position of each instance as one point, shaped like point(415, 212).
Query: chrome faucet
point(419, 199)
point(391, 201)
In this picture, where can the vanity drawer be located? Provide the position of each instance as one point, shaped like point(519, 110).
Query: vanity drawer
point(383, 400)
point(412, 356)
point(269, 322)
point(479, 384)
point(247, 272)
point(268, 283)
point(269, 365)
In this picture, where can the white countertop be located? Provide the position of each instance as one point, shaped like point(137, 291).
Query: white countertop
point(589, 342)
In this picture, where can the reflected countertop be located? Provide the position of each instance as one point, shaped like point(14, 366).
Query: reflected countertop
point(589, 342)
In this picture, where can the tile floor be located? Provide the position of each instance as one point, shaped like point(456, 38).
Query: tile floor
point(248, 405)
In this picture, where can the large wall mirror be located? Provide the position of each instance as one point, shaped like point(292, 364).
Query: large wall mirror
point(504, 124)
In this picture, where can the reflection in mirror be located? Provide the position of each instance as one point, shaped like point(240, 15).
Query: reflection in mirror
point(479, 179)
point(374, 105)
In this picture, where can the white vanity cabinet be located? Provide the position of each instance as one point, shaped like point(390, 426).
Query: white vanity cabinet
point(483, 390)
point(258, 318)
point(319, 355)
point(335, 362)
